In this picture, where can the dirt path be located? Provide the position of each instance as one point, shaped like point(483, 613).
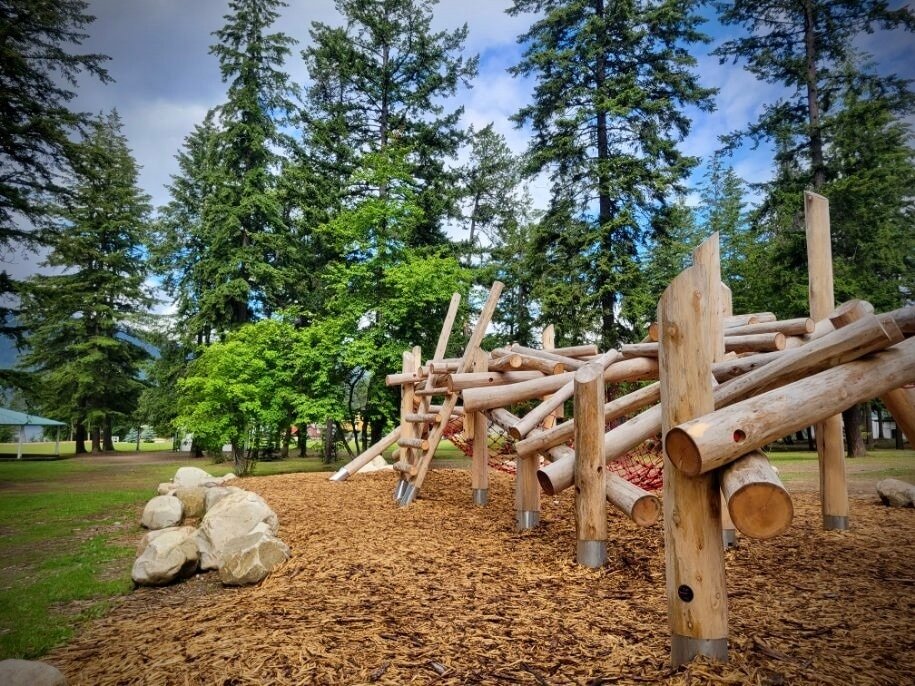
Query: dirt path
point(442, 593)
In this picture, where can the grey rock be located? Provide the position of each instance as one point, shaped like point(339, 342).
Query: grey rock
point(162, 512)
point(166, 488)
point(30, 673)
point(249, 559)
point(170, 555)
point(192, 500)
point(896, 493)
point(150, 536)
point(191, 476)
point(233, 516)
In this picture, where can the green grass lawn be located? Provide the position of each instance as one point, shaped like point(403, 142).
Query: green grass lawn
point(68, 532)
point(69, 447)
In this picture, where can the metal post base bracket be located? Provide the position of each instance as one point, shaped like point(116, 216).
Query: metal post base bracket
point(592, 554)
point(526, 519)
point(340, 475)
point(401, 487)
point(408, 495)
point(481, 496)
point(729, 538)
point(684, 648)
point(835, 523)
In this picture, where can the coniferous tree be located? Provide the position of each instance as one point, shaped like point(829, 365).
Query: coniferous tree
point(808, 47)
point(38, 72)
point(612, 81)
point(79, 321)
point(379, 81)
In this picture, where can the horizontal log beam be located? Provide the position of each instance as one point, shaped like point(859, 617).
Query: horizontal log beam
point(757, 501)
point(718, 438)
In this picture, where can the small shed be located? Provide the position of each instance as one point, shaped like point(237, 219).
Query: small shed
point(22, 420)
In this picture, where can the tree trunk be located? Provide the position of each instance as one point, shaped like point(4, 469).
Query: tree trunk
point(79, 435)
point(96, 435)
point(854, 443)
point(139, 430)
point(377, 431)
point(811, 440)
point(107, 439)
point(879, 411)
point(813, 104)
point(329, 452)
point(302, 440)
point(868, 427)
point(287, 439)
point(238, 458)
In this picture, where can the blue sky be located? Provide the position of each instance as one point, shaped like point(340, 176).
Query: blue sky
point(165, 80)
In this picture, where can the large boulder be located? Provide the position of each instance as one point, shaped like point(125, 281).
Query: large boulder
point(170, 555)
point(249, 559)
point(30, 673)
point(150, 536)
point(376, 465)
point(192, 500)
point(896, 493)
point(234, 516)
point(190, 477)
point(217, 493)
point(166, 488)
point(161, 512)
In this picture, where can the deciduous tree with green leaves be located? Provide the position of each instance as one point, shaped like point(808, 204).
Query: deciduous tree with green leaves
point(80, 320)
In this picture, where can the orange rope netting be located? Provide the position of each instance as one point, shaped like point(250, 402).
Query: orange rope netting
point(642, 466)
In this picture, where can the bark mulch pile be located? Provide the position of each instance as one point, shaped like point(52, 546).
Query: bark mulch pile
point(443, 593)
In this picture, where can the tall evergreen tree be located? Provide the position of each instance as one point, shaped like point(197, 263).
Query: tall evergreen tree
point(227, 247)
point(38, 72)
point(612, 81)
point(808, 47)
point(380, 80)
point(78, 320)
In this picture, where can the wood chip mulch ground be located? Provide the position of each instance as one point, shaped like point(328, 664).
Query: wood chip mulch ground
point(443, 593)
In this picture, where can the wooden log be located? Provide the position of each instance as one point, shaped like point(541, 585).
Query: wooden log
point(576, 351)
point(461, 382)
point(744, 319)
point(455, 411)
point(717, 438)
point(420, 418)
point(694, 555)
point(833, 484)
point(417, 443)
point(438, 390)
point(403, 378)
point(762, 342)
point(755, 343)
point(554, 402)
point(505, 363)
point(548, 341)
point(590, 481)
point(404, 468)
point(503, 418)
point(503, 396)
point(479, 467)
point(730, 368)
point(725, 310)
point(366, 456)
point(901, 405)
point(758, 503)
point(408, 430)
point(639, 505)
point(543, 440)
point(789, 327)
point(451, 401)
point(904, 318)
point(569, 363)
point(529, 362)
point(436, 368)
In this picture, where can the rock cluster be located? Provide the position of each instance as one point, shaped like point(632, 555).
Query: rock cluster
point(236, 533)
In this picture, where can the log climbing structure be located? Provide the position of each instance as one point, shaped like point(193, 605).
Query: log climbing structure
point(704, 394)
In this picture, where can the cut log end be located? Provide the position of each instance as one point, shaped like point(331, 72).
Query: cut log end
point(761, 510)
point(646, 511)
point(545, 482)
point(682, 451)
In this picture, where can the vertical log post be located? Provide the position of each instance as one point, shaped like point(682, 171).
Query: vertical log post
point(479, 469)
point(408, 429)
point(694, 555)
point(590, 476)
point(833, 485)
point(728, 531)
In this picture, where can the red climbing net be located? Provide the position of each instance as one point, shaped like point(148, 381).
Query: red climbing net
point(642, 466)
